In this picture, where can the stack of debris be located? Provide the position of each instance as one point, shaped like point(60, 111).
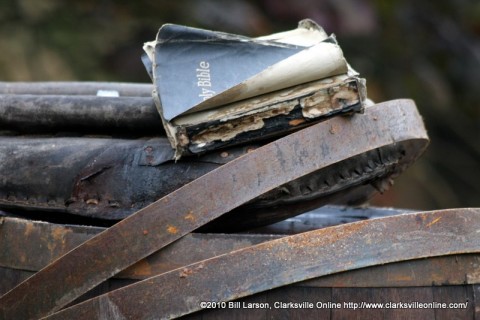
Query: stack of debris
point(219, 96)
point(250, 137)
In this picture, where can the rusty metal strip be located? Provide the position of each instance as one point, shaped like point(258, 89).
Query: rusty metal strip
point(30, 245)
point(451, 270)
point(208, 197)
point(436, 271)
point(288, 260)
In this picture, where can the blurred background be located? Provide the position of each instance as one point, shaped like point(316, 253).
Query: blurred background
point(425, 50)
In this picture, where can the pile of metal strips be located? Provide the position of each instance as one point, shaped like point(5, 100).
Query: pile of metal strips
point(340, 160)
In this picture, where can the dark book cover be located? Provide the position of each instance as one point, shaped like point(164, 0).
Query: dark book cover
point(196, 72)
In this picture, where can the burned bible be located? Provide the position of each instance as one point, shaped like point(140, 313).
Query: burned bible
point(215, 90)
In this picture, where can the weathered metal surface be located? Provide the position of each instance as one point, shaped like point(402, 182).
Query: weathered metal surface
point(460, 293)
point(76, 88)
point(27, 245)
point(351, 181)
point(84, 114)
point(31, 245)
point(436, 271)
point(208, 197)
point(288, 260)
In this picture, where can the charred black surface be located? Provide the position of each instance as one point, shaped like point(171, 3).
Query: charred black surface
point(100, 178)
point(273, 127)
point(92, 88)
point(109, 179)
point(105, 180)
point(128, 116)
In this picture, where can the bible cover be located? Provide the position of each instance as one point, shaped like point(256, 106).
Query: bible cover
point(215, 89)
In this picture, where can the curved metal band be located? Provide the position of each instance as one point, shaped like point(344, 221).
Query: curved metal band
point(208, 197)
point(288, 260)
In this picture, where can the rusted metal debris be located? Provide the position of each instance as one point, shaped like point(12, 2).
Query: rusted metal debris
point(288, 260)
point(28, 246)
point(182, 211)
point(32, 245)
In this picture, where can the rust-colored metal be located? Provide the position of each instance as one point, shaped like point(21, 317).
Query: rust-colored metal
point(221, 190)
point(288, 260)
point(436, 271)
point(30, 245)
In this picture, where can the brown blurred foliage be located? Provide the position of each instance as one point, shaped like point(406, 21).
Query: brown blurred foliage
point(425, 50)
